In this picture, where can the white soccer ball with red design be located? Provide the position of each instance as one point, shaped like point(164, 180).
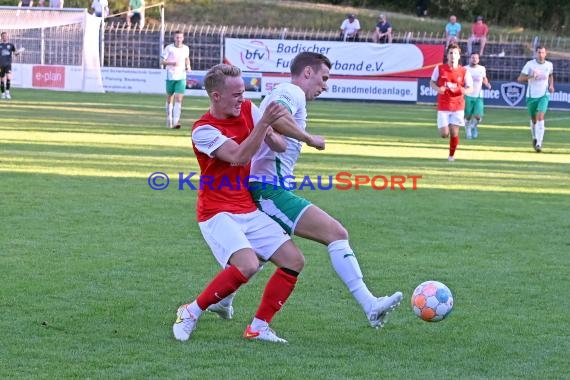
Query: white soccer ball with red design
point(432, 301)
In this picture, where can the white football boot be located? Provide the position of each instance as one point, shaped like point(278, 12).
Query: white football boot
point(224, 312)
point(381, 307)
point(185, 323)
point(267, 334)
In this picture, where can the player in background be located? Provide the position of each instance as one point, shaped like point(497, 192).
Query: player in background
point(309, 75)
point(7, 51)
point(451, 81)
point(474, 107)
point(538, 73)
point(176, 59)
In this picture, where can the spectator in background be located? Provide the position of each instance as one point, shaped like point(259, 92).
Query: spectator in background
point(383, 31)
point(134, 17)
point(100, 8)
point(479, 31)
point(26, 3)
point(56, 3)
point(452, 31)
point(350, 28)
point(422, 8)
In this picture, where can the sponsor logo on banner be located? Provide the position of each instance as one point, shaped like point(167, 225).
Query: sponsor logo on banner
point(512, 93)
point(397, 90)
point(255, 55)
point(48, 76)
point(371, 60)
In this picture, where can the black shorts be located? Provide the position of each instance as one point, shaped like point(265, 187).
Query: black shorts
point(5, 70)
point(136, 18)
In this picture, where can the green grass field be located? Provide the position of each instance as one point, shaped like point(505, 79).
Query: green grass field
point(94, 263)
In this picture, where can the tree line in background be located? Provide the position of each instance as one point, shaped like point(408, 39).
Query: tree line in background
point(547, 15)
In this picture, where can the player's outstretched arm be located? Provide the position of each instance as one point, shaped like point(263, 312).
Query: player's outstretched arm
point(241, 154)
point(287, 127)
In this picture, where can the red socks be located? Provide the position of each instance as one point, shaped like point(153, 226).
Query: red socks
point(453, 142)
point(225, 283)
point(278, 289)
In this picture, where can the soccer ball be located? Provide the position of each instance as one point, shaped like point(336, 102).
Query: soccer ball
point(432, 301)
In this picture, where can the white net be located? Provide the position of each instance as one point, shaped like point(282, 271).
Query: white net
point(65, 37)
point(26, 18)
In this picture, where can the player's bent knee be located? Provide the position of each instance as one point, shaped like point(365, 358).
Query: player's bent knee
point(295, 262)
point(246, 261)
point(299, 263)
point(247, 270)
point(339, 232)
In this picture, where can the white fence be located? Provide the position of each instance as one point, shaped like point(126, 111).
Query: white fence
point(140, 48)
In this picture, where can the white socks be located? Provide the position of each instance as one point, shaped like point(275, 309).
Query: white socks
point(169, 114)
point(532, 130)
point(346, 266)
point(195, 309)
point(177, 110)
point(173, 112)
point(539, 132)
point(258, 324)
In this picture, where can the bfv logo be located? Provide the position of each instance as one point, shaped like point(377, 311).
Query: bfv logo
point(252, 55)
point(255, 55)
point(512, 93)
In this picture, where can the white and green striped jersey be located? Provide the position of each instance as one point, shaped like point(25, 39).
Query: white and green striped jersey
point(275, 166)
point(477, 72)
point(538, 74)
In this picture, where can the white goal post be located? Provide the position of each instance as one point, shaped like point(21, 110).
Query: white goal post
point(66, 39)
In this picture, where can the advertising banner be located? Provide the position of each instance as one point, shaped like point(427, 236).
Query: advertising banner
point(44, 76)
point(505, 94)
point(142, 81)
point(51, 77)
point(363, 88)
point(352, 59)
point(153, 81)
point(118, 79)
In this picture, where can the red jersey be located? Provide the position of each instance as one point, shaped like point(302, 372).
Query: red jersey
point(452, 79)
point(226, 188)
point(479, 30)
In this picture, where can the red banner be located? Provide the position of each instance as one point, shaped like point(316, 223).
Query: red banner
point(48, 76)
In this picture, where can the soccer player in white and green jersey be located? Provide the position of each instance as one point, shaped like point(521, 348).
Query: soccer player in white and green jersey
point(538, 73)
point(271, 188)
point(474, 107)
point(176, 59)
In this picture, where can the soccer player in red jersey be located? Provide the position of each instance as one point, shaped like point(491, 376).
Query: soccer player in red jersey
point(239, 235)
point(451, 81)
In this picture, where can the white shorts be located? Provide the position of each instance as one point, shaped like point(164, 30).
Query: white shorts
point(445, 118)
point(227, 233)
